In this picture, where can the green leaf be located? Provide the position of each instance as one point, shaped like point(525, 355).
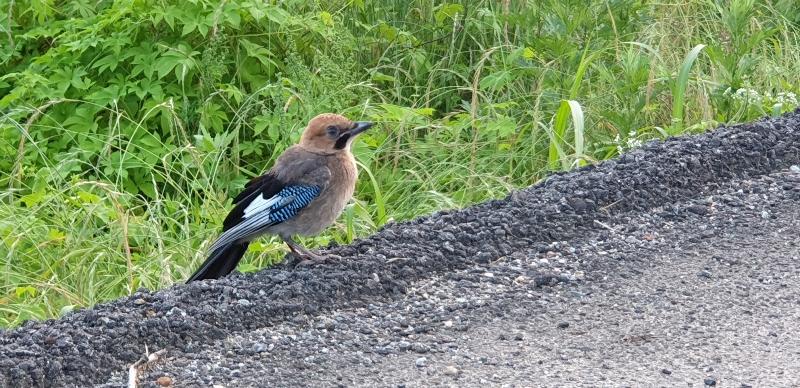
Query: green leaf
point(87, 197)
point(230, 15)
point(173, 12)
point(258, 52)
point(380, 77)
point(109, 62)
point(144, 59)
point(260, 123)
point(55, 235)
point(148, 87)
point(33, 199)
point(278, 15)
point(255, 9)
point(326, 18)
point(165, 65)
point(147, 187)
point(447, 11)
point(496, 80)
point(502, 126)
point(558, 141)
point(106, 95)
point(528, 53)
point(151, 142)
point(427, 112)
point(212, 116)
point(679, 89)
point(82, 120)
point(181, 59)
point(24, 291)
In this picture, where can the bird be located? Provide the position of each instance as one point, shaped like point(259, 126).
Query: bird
point(302, 194)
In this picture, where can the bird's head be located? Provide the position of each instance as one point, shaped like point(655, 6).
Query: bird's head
point(330, 133)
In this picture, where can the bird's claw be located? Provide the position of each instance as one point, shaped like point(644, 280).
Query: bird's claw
point(314, 259)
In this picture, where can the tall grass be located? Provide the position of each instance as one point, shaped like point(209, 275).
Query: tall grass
point(127, 128)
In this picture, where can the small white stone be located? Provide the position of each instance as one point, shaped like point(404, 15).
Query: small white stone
point(450, 371)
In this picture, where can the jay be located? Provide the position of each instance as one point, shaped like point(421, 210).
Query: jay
point(302, 194)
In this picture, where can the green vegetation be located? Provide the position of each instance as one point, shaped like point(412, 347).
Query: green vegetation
point(125, 125)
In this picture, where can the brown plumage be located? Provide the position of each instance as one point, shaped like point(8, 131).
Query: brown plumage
point(302, 194)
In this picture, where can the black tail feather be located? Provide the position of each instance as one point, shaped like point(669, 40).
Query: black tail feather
point(220, 262)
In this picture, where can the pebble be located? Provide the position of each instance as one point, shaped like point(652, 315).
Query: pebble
point(563, 325)
point(666, 371)
point(421, 362)
point(404, 345)
point(710, 381)
point(795, 169)
point(704, 274)
point(698, 209)
point(420, 348)
point(164, 381)
point(259, 347)
point(450, 370)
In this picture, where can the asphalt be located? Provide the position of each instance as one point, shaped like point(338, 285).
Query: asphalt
point(674, 264)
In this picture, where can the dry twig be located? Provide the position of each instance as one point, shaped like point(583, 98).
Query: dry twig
point(141, 365)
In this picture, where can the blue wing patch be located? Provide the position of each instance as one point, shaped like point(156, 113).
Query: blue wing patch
point(293, 198)
point(261, 213)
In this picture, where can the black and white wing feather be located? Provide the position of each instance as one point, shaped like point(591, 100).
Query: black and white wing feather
point(259, 211)
point(265, 201)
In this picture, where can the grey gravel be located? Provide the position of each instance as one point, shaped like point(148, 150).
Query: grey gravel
point(632, 228)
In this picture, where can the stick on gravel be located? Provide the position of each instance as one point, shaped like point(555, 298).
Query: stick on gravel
point(141, 365)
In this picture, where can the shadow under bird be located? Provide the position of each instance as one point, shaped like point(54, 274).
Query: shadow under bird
point(302, 194)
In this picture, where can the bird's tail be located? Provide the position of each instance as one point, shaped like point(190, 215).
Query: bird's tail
point(220, 262)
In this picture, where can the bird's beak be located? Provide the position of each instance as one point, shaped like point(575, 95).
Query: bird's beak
point(358, 127)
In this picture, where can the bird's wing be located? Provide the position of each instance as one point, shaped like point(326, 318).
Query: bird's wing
point(268, 200)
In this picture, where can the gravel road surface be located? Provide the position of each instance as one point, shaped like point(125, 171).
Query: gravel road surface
point(677, 263)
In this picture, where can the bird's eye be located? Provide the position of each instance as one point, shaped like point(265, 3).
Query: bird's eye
point(332, 131)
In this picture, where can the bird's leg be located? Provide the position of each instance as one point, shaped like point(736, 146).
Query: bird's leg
point(302, 253)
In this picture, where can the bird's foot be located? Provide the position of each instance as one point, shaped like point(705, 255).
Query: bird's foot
point(308, 259)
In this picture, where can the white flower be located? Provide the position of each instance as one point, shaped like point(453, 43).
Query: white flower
point(747, 95)
point(786, 98)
